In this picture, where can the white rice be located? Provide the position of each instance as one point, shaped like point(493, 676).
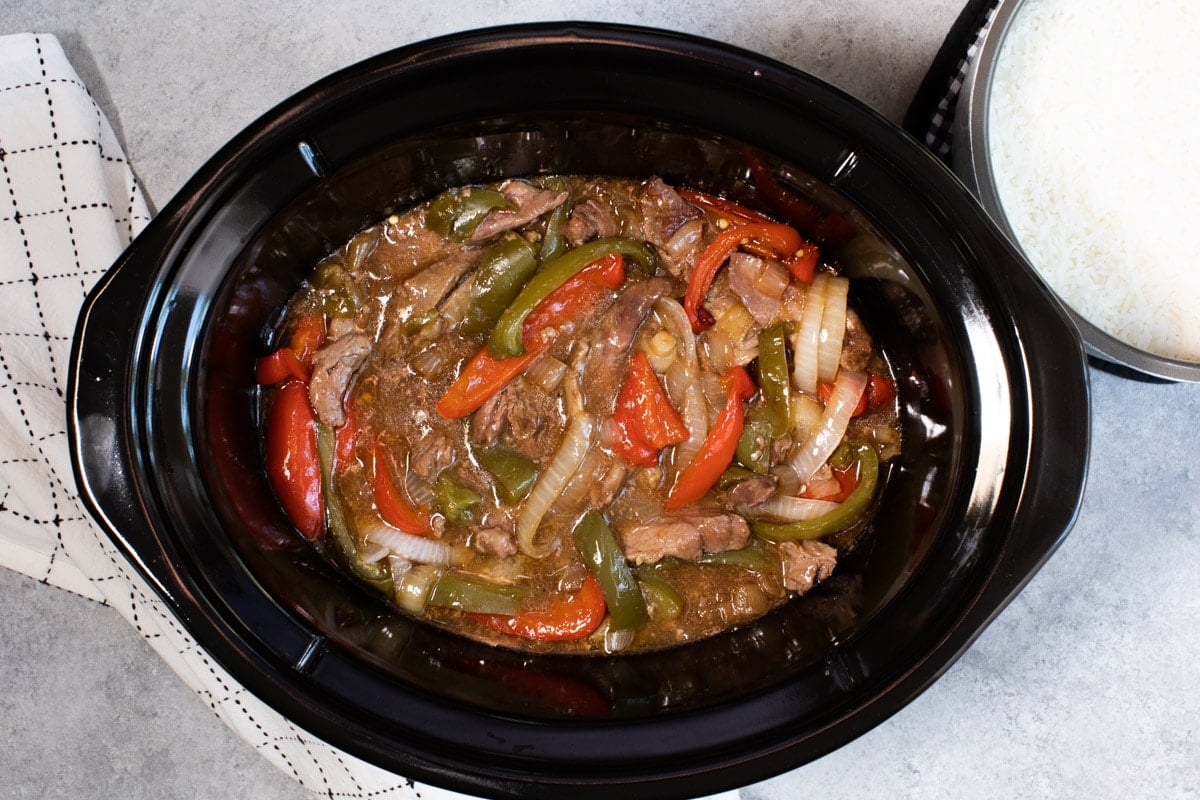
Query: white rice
point(1095, 147)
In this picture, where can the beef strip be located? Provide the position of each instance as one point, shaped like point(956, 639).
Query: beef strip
point(489, 421)
point(608, 360)
point(687, 536)
point(856, 347)
point(334, 365)
point(663, 211)
point(752, 491)
point(589, 220)
point(431, 455)
point(427, 288)
point(759, 284)
point(531, 203)
point(806, 563)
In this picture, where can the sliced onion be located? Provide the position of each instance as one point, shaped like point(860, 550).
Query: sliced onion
point(419, 549)
point(412, 591)
point(809, 456)
point(683, 387)
point(552, 481)
point(807, 340)
point(419, 490)
point(428, 363)
point(793, 509)
point(833, 329)
point(660, 350)
point(547, 372)
point(687, 237)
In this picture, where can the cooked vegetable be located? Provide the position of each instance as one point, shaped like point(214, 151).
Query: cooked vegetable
point(514, 473)
point(646, 421)
point(507, 340)
point(454, 500)
point(719, 446)
point(604, 559)
point(847, 392)
point(842, 516)
point(503, 269)
point(456, 213)
point(567, 618)
point(549, 486)
point(293, 465)
point(475, 596)
point(341, 536)
point(665, 601)
point(393, 507)
point(553, 241)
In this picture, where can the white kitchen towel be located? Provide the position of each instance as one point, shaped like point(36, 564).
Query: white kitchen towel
point(69, 204)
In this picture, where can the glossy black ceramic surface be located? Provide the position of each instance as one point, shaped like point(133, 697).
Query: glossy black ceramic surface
point(163, 415)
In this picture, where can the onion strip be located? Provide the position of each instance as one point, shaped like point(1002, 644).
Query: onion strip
point(833, 329)
point(418, 549)
point(793, 509)
point(683, 381)
point(808, 458)
point(553, 480)
point(807, 340)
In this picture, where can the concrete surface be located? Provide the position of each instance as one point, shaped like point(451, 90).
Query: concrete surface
point(1087, 685)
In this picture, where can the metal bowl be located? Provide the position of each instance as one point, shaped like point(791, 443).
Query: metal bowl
point(972, 162)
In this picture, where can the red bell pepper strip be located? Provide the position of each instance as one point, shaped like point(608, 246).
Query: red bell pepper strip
point(645, 419)
point(279, 367)
point(825, 391)
point(484, 375)
point(717, 451)
point(308, 337)
point(293, 466)
point(880, 393)
point(781, 240)
point(803, 265)
point(392, 506)
point(574, 617)
point(295, 360)
point(720, 205)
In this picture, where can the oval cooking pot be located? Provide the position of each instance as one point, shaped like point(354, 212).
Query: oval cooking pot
point(163, 415)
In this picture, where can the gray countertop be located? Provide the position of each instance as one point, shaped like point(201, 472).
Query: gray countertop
point(1087, 685)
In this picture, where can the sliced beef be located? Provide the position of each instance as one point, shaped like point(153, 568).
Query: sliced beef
point(752, 491)
point(590, 219)
point(604, 492)
point(806, 564)
point(856, 347)
point(531, 203)
point(406, 247)
point(489, 421)
point(429, 286)
point(608, 360)
point(759, 284)
point(686, 536)
point(495, 541)
point(663, 211)
point(334, 365)
point(431, 455)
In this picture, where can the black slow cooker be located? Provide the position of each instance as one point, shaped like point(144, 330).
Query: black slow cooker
point(162, 408)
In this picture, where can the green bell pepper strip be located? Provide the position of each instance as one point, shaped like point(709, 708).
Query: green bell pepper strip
point(603, 557)
point(453, 499)
point(456, 213)
point(553, 241)
point(733, 476)
point(514, 473)
point(774, 380)
point(377, 575)
point(667, 601)
point(470, 594)
point(751, 558)
point(754, 445)
point(503, 269)
point(847, 512)
point(343, 297)
point(506, 337)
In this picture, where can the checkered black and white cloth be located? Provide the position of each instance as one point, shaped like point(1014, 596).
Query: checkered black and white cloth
point(69, 204)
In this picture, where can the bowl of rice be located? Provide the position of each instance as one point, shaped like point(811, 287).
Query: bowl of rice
point(1078, 142)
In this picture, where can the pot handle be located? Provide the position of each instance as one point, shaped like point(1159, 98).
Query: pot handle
point(100, 412)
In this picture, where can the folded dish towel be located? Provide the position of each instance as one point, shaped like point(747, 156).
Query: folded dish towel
point(69, 204)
